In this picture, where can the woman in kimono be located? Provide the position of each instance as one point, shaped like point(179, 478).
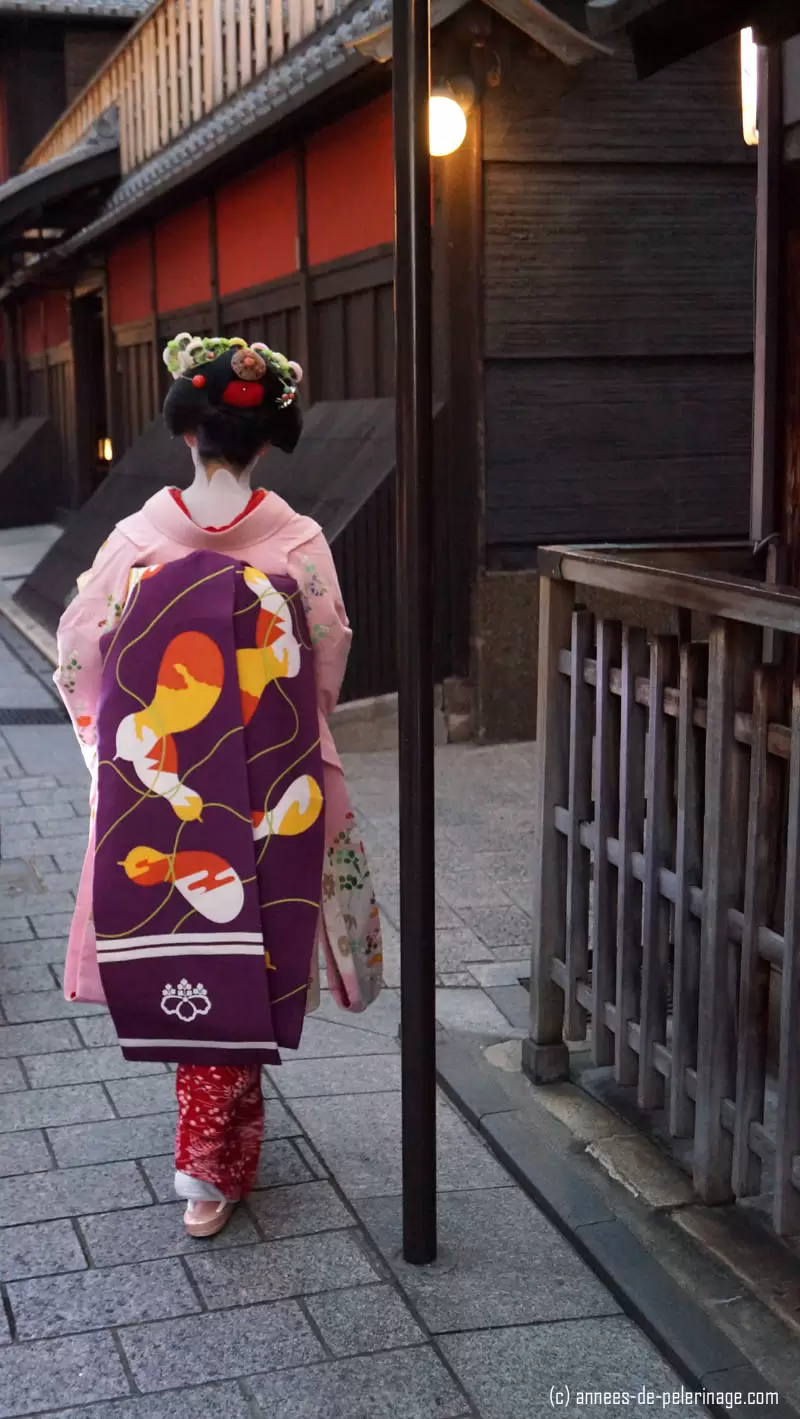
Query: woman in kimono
point(229, 401)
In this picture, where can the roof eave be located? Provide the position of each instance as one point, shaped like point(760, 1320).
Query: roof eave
point(540, 22)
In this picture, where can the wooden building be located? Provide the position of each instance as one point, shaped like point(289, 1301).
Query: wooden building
point(593, 259)
point(667, 857)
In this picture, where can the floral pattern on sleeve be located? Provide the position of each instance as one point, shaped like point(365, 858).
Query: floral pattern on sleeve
point(349, 906)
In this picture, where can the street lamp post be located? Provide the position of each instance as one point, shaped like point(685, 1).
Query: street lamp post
point(414, 394)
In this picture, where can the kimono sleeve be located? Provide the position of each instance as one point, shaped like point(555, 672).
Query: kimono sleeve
point(314, 571)
point(94, 610)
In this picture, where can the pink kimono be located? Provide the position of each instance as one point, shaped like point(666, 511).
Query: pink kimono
point(273, 539)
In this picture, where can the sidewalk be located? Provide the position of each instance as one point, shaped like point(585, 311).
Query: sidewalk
point(302, 1308)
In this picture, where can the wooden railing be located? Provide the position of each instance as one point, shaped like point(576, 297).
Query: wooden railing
point(667, 859)
point(180, 61)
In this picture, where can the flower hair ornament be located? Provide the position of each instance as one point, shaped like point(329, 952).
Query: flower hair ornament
point(216, 376)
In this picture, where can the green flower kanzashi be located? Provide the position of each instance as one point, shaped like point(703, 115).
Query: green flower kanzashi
point(186, 352)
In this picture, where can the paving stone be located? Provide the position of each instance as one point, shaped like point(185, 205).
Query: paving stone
point(358, 1075)
point(41, 907)
point(457, 945)
point(10, 1075)
point(381, 1018)
point(109, 1142)
point(224, 1401)
point(359, 1140)
point(365, 1319)
point(504, 926)
point(149, 1095)
point(45, 1038)
point(220, 1347)
point(464, 889)
point(509, 953)
point(39, 1249)
point(14, 980)
point(404, 1384)
point(146, 1233)
point(299, 1210)
point(54, 922)
point(514, 1002)
point(53, 812)
point(50, 750)
point(280, 1165)
point(34, 951)
point(510, 1372)
point(85, 1066)
point(31, 1006)
point(456, 980)
point(471, 1010)
point(39, 797)
point(23, 1153)
point(53, 1373)
point(276, 1270)
point(322, 1039)
point(501, 1263)
point(40, 1108)
point(278, 1122)
point(492, 974)
point(97, 1031)
point(16, 928)
point(14, 817)
point(314, 1164)
point(68, 1192)
point(92, 1300)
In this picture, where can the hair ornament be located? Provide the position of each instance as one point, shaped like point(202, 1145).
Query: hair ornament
point(248, 364)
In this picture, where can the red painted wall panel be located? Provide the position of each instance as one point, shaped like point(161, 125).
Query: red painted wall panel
point(33, 336)
point(45, 321)
point(183, 264)
point(4, 169)
point(349, 184)
point(56, 318)
point(257, 226)
point(129, 280)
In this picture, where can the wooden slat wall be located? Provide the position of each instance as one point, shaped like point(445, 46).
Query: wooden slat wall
point(619, 227)
point(607, 450)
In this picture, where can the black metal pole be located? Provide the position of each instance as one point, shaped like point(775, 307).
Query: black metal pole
point(414, 393)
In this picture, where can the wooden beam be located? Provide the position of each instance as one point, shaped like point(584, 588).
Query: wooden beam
point(213, 261)
point(764, 506)
point(11, 364)
point(113, 419)
point(306, 354)
point(155, 362)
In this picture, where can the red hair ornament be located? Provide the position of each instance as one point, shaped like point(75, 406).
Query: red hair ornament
point(243, 396)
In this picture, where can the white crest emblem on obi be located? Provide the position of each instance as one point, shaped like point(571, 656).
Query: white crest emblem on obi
point(185, 1001)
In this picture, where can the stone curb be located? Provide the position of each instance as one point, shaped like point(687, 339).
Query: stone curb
point(704, 1357)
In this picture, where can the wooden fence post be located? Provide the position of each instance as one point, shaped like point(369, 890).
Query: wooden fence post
point(655, 912)
point(579, 810)
point(730, 678)
point(603, 931)
point(633, 730)
point(688, 874)
point(786, 1209)
point(545, 1057)
point(762, 857)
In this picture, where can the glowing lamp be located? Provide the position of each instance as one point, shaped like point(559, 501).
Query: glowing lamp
point(447, 123)
point(749, 57)
point(105, 451)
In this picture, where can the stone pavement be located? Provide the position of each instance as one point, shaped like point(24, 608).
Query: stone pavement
point(302, 1307)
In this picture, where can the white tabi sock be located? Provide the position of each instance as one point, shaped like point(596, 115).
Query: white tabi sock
point(194, 1190)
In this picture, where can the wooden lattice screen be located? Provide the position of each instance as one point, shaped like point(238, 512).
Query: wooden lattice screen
point(667, 891)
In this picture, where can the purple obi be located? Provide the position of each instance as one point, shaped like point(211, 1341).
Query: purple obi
point(210, 823)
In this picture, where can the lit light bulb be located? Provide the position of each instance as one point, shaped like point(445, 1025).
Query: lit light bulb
point(749, 52)
point(447, 124)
